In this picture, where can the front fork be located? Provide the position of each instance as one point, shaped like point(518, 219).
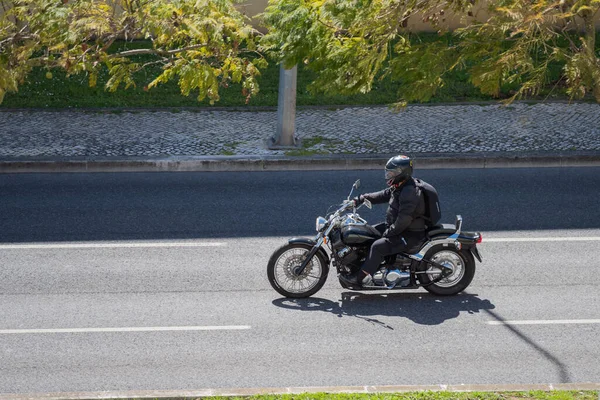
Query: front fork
point(299, 270)
point(315, 249)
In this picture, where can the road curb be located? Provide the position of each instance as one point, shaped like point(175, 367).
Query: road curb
point(282, 163)
point(171, 394)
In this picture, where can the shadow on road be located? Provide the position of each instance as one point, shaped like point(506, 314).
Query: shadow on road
point(171, 206)
point(421, 308)
point(561, 368)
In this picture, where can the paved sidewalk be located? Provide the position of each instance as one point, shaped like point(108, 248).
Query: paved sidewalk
point(460, 131)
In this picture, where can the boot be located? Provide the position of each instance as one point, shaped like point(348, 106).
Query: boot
point(361, 278)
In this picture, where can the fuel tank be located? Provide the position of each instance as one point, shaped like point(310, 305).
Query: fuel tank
point(359, 234)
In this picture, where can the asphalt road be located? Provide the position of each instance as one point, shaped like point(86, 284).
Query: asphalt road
point(157, 206)
point(188, 251)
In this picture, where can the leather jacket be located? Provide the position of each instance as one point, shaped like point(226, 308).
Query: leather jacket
point(405, 210)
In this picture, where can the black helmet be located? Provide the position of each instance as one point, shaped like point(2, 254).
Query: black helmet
point(398, 169)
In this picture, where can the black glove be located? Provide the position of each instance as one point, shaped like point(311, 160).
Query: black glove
point(358, 200)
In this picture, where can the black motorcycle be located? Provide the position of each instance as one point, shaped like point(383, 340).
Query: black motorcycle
point(443, 264)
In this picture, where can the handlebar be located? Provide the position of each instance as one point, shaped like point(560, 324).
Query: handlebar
point(349, 204)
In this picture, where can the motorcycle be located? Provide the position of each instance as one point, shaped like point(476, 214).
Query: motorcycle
point(443, 263)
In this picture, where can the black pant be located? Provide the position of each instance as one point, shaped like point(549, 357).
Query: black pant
point(388, 246)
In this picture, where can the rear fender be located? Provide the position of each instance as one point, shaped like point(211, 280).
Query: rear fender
point(475, 253)
point(468, 241)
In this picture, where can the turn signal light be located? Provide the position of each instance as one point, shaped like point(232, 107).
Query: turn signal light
point(480, 238)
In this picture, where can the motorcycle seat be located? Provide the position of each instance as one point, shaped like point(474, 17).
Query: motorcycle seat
point(439, 229)
point(416, 248)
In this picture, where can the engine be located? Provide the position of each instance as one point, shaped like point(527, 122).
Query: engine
point(350, 247)
point(396, 272)
point(346, 258)
point(347, 255)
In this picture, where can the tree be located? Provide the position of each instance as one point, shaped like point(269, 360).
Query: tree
point(519, 43)
point(204, 44)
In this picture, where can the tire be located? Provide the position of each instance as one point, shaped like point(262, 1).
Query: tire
point(462, 262)
point(281, 276)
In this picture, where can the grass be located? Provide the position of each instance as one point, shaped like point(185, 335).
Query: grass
point(326, 146)
point(229, 148)
point(74, 92)
point(536, 395)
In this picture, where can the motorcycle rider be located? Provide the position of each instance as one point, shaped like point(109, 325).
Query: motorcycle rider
point(405, 224)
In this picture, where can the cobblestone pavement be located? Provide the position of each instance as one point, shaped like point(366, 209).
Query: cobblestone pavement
point(362, 130)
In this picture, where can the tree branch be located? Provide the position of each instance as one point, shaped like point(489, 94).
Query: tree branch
point(110, 42)
point(252, 51)
point(18, 36)
point(572, 44)
point(137, 52)
point(326, 24)
point(162, 61)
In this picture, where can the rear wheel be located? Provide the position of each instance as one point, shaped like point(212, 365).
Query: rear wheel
point(282, 271)
point(462, 264)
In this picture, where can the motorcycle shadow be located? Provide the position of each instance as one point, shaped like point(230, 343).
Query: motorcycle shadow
point(421, 308)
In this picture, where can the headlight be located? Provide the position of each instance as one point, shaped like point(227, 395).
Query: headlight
point(321, 223)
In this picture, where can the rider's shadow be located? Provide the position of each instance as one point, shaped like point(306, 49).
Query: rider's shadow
point(421, 308)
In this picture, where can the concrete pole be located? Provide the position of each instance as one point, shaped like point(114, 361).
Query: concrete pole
point(286, 108)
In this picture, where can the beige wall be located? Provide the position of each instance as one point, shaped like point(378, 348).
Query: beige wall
point(253, 7)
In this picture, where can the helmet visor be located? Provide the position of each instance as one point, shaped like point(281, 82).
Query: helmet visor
point(390, 174)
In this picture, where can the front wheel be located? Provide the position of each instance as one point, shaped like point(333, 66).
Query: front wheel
point(462, 264)
point(282, 271)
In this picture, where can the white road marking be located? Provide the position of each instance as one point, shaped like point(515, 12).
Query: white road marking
point(546, 322)
point(543, 239)
point(92, 245)
point(128, 329)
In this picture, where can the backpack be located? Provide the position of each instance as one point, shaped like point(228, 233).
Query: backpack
point(433, 212)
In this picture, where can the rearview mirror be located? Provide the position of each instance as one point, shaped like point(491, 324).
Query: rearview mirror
point(354, 187)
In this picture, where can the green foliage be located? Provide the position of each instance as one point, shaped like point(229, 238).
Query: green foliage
point(522, 47)
point(315, 32)
point(351, 51)
point(202, 44)
point(527, 40)
point(74, 92)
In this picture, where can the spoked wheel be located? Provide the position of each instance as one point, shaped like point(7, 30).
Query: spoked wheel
point(283, 271)
point(461, 263)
